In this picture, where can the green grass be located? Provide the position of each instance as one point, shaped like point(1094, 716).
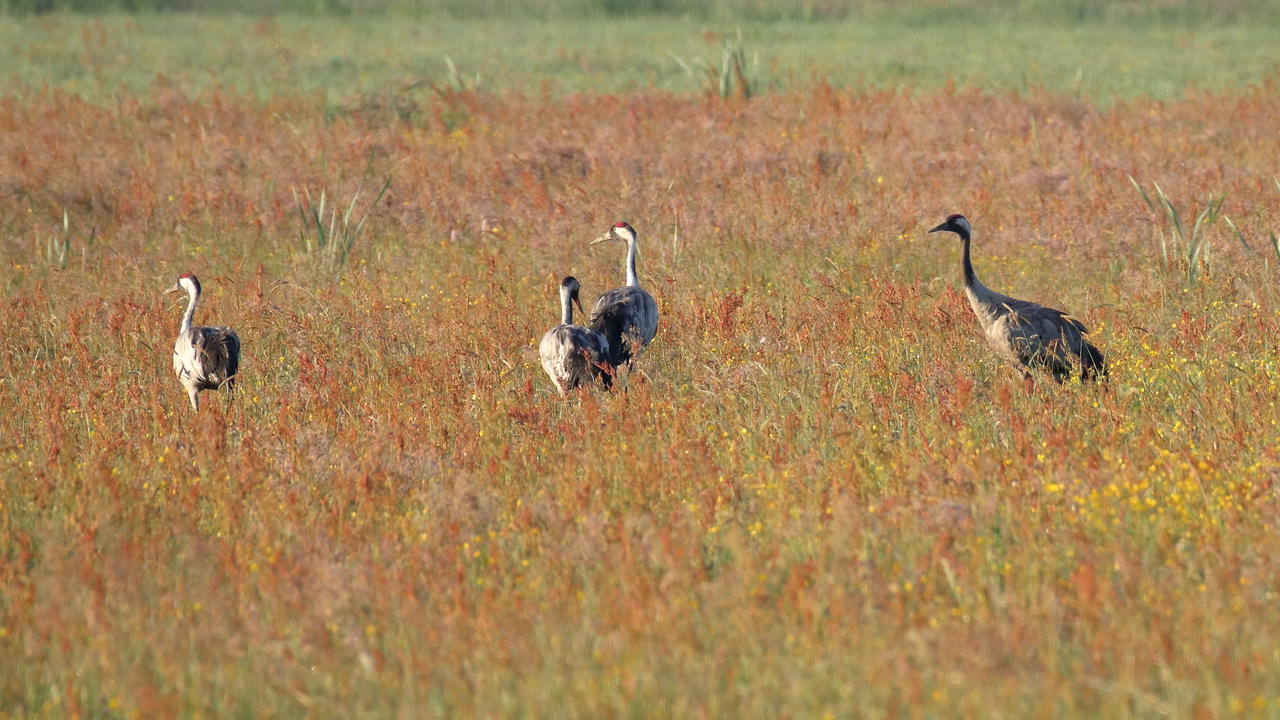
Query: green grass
point(347, 59)
point(923, 11)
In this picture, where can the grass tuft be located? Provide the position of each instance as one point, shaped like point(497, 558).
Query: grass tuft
point(1191, 247)
point(335, 237)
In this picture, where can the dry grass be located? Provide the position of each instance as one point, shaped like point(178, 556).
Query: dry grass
point(826, 498)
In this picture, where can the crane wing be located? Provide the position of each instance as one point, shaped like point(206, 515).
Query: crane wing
point(1043, 336)
point(1035, 313)
point(574, 355)
point(215, 354)
point(628, 319)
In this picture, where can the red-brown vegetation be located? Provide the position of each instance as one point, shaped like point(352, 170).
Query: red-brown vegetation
point(823, 496)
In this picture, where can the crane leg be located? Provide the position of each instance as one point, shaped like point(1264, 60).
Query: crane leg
point(195, 398)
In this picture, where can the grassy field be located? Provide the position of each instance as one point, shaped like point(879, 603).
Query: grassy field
point(823, 497)
point(351, 59)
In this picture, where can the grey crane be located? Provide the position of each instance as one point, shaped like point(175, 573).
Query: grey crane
point(571, 354)
point(205, 357)
point(1034, 335)
point(627, 316)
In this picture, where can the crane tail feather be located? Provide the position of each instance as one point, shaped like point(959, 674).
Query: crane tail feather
point(1093, 365)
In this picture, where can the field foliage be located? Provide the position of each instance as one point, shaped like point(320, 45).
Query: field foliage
point(398, 59)
point(820, 495)
point(1177, 11)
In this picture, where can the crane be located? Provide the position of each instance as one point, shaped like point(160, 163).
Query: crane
point(627, 316)
point(205, 357)
point(1036, 336)
point(571, 354)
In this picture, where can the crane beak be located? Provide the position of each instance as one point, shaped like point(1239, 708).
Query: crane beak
point(578, 302)
point(940, 228)
point(602, 238)
point(173, 288)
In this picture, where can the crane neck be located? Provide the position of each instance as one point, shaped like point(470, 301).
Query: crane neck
point(566, 307)
point(970, 279)
point(633, 280)
point(193, 298)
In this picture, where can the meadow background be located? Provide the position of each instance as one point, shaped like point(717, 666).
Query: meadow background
point(821, 495)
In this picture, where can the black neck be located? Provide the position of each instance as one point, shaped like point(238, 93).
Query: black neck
point(969, 277)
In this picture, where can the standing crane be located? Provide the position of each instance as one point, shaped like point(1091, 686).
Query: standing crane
point(1033, 335)
point(627, 316)
point(571, 354)
point(205, 357)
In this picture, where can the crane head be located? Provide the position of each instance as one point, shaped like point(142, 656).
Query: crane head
point(621, 231)
point(187, 283)
point(954, 223)
point(569, 286)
